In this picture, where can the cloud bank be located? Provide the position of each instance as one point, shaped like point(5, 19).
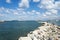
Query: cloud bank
point(51, 8)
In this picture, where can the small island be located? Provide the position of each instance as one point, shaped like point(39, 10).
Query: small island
point(1, 21)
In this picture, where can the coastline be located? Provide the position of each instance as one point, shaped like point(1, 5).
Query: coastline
point(47, 31)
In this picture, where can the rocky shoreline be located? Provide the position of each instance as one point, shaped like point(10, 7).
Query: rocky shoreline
point(47, 31)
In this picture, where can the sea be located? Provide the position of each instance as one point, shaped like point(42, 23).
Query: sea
point(12, 30)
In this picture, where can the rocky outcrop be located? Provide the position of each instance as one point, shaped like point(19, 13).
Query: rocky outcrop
point(46, 32)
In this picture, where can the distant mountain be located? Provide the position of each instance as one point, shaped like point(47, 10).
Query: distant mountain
point(54, 21)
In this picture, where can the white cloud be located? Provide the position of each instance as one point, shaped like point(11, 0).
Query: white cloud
point(33, 11)
point(8, 1)
point(47, 4)
point(7, 11)
point(1, 8)
point(36, 0)
point(57, 5)
point(52, 8)
point(38, 13)
point(48, 13)
point(24, 3)
point(53, 11)
point(20, 9)
point(24, 12)
point(21, 14)
point(1, 15)
point(16, 13)
point(44, 15)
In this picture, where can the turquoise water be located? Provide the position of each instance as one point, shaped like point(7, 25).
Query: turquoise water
point(12, 30)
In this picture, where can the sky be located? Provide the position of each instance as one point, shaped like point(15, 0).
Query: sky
point(29, 9)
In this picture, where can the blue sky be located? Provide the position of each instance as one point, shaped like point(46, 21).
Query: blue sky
point(29, 9)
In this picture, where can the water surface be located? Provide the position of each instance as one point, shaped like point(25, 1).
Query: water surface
point(12, 30)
